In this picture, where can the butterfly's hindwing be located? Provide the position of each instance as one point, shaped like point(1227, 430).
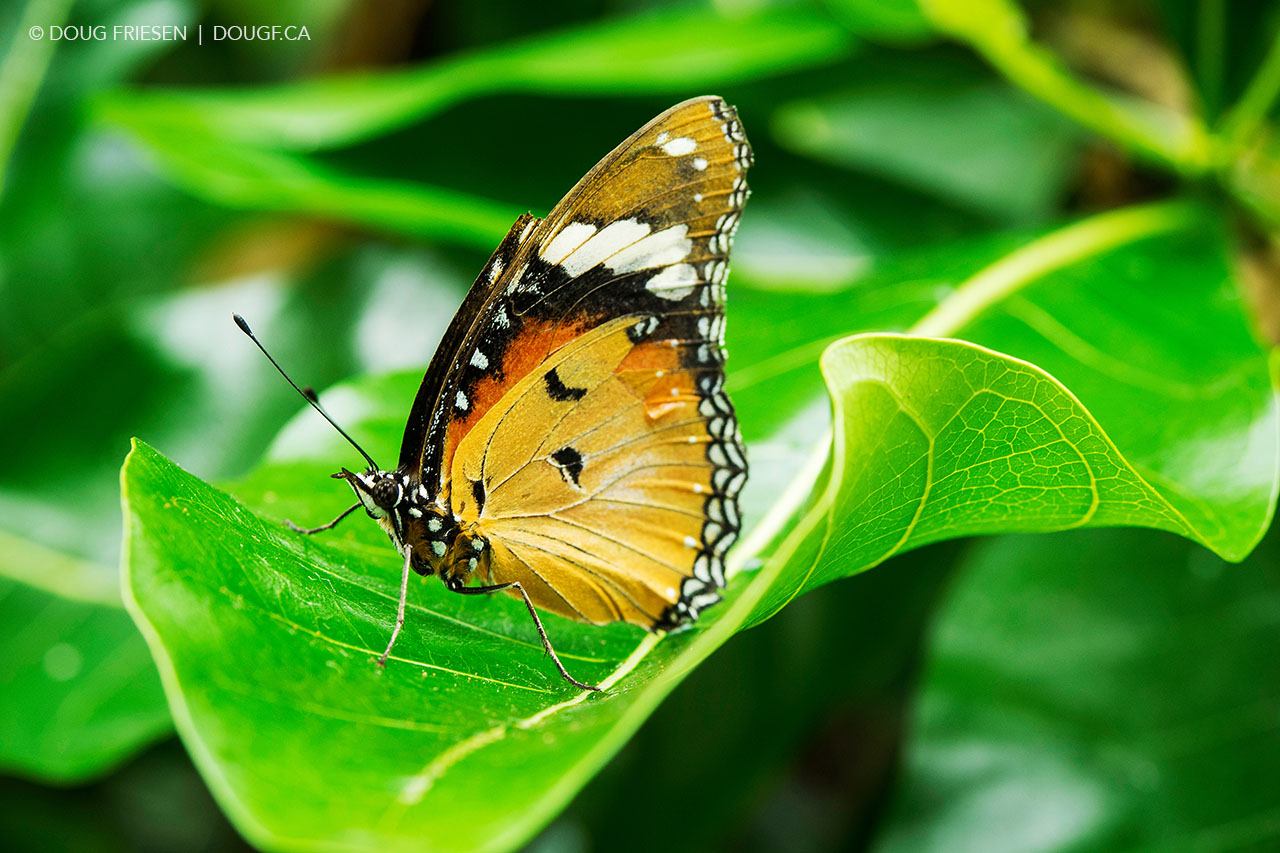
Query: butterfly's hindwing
point(584, 397)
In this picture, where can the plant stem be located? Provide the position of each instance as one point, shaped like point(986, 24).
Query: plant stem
point(1210, 37)
point(997, 30)
point(23, 70)
point(1147, 129)
point(58, 573)
point(1258, 98)
point(1093, 236)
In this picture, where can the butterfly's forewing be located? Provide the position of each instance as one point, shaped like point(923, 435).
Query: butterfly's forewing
point(582, 425)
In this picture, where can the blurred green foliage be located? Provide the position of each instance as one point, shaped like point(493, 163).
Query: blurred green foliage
point(1105, 690)
point(920, 167)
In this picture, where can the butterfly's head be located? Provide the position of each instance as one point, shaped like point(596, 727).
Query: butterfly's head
point(380, 492)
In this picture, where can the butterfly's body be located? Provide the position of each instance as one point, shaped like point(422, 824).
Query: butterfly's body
point(421, 524)
point(571, 441)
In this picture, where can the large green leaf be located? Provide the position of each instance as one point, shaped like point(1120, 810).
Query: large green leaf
point(936, 439)
point(1098, 690)
point(80, 689)
point(265, 640)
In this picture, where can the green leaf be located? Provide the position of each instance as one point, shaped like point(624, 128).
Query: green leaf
point(1097, 690)
point(897, 21)
point(262, 179)
point(701, 47)
point(81, 691)
point(1135, 311)
point(939, 439)
point(265, 640)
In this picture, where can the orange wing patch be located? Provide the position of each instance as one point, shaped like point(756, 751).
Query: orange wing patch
point(526, 352)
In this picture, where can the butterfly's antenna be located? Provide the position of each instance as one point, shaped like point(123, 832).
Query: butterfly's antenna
point(309, 397)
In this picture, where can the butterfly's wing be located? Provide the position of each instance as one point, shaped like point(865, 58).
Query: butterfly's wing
point(670, 209)
point(606, 482)
point(422, 446)
point(587, 434)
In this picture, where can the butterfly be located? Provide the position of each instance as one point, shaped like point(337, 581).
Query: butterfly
point(571, 443)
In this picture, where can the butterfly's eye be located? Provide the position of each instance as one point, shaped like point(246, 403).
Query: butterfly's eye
point(386, 492)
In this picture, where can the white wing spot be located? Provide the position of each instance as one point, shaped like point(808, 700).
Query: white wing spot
point(663, 137)
point(624, 246)
point(680, 146)
point(665, 247)
point(674, 282)
point(700, 163)
point(697, 197)
point(479, 360)
point(602, 246)
point(568, 240)
point(461, 402)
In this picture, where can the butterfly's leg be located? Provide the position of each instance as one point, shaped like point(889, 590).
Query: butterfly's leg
point(404, 593)
point(542, 632)
point(309, 530)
